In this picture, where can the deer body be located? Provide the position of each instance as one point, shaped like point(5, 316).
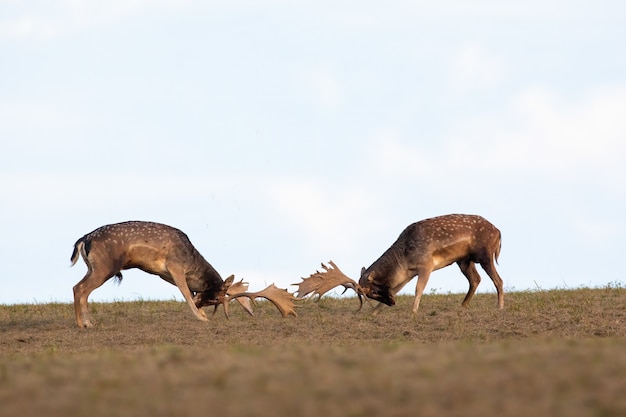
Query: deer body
point(154, 248)
point(421, 248)
point(432, 244)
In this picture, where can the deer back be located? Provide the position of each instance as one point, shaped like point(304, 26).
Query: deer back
point(152, 247)
point(449, 238)
point(432, 244)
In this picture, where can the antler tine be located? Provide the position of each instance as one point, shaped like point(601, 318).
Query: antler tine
point(310, 285)
point(281, 298)
point(350, 284)
point(319, 283)
point(234, 290)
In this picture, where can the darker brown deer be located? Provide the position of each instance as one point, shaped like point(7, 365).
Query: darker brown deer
point(167, 252)
point(422, 248)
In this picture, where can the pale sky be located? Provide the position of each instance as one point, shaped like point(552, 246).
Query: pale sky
point(279, 135)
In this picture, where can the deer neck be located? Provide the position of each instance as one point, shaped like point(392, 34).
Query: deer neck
point(390, 269)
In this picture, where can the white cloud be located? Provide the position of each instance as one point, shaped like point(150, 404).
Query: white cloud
point(538, 135)
point(22, 114)
point(326, 87)
point(391, 14)
point(330, 220)
point(563, 138)
point(30, 19)
point(37, 19)
point(87, 190)
point(393, 157)
point(473, 68)
point(597, 229)
point(26, 26)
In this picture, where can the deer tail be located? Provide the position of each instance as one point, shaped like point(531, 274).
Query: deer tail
point(80, 248)
point(497, 252)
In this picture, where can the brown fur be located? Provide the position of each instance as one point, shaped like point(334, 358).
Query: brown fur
point(154, 248)
point(421, 248)
point(432, 244)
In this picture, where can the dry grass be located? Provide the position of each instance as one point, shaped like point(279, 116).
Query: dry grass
point(557, 353)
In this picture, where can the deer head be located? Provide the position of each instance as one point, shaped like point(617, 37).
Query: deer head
point(374, 290)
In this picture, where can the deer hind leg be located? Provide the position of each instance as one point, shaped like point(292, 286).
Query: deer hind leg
point(92, 280)
point(469, 270)
point(181, 282)
point(490, 268)
point(422, 280)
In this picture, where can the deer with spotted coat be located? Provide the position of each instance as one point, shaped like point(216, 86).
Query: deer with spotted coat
point(167, 252)
point(421, 248)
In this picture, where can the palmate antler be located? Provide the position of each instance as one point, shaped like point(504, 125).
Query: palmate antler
point(234, 289)
point(281, 298)
point(319, 283)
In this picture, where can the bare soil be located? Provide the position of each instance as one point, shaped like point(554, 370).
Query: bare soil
point(557, 353)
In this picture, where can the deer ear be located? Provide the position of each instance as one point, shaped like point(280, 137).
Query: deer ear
point(228, 282)
point(362, 271)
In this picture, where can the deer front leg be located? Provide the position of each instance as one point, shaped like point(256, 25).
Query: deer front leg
point(422, 280)
point(378, 308)
point(181, 282)
point(393, 292)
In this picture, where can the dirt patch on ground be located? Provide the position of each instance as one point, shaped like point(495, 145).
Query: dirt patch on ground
point(549, 353)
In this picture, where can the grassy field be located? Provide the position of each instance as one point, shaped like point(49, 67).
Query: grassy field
point(556, 353)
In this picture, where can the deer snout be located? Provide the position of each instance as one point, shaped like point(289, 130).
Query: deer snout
point(380, 295)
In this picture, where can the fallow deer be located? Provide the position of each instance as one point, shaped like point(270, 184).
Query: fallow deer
point(167, 252)
point(421, 248)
